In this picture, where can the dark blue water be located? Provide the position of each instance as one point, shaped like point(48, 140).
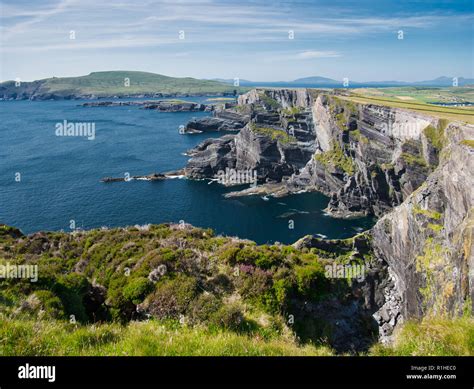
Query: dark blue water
point(60, 177)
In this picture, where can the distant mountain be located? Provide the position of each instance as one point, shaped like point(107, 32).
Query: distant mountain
point(230, 80)
point(316, 80)
point(143, 84)
point(329, 82)
point(446, 81)
point(114, 84)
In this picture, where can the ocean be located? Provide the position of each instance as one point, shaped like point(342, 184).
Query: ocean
point(48, 181)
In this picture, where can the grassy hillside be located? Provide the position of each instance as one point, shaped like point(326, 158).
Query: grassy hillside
point(184, 274)
point(422, 94)
point(417, 99)
point(113, 83)
point(180, 290)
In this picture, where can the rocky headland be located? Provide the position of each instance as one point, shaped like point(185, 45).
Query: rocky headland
point(413, 171)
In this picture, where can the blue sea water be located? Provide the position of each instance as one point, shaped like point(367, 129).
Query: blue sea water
point(60, 177)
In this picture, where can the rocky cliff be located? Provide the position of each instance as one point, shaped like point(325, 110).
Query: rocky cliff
point(412, 170)
point(366, 158)
point(427, 240)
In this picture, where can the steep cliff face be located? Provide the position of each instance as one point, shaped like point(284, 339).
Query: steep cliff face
point(366, 158)
point(427, 241)
point(286, 97)
point(369, 158)
point(414, 171)
point(275, 143)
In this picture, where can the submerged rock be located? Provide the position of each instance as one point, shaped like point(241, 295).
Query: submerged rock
point(149, 177)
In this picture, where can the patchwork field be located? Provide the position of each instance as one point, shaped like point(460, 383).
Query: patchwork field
point(420, 100)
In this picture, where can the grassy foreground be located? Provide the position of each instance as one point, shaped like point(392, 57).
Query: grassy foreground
point(28, 337)
point(179, 290)
point(434, 337)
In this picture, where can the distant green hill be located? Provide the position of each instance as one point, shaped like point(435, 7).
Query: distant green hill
point(114, 83)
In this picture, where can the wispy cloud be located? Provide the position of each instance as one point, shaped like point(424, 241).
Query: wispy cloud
point(310, 54)
point(227, 32)
point(33, 16)
point(205, 21)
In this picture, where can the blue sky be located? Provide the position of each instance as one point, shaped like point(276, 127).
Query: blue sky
point(245, 39)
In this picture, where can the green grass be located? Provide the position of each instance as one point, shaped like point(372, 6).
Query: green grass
point(427, 212)
point(273, 133)
point(269, 101)
point(411, 159)
point(433, 336)
point(449, 113)
point(430, 337)
point(468, 142)
point(291, 111)
point(42, 338)
point(423, 94)
point(336, 158)
point(113, 84)
point(436, 136)
point(356, 134)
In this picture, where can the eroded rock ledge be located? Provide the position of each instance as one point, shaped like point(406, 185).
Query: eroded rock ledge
point(366, 158)
point(412, 170)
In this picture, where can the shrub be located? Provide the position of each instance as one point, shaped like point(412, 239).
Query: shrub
point(310, 280)
point(172, 297)
point(271, 256)
point(71, 289)
point(282, 289)
point(121, 308)
point(204, 308)
point(254, 284)
point(229, 317)
point(336, 158)
point(220, 284)
point(229, 255)
point(248, 255)
point(137, 289)
point(45, 303)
